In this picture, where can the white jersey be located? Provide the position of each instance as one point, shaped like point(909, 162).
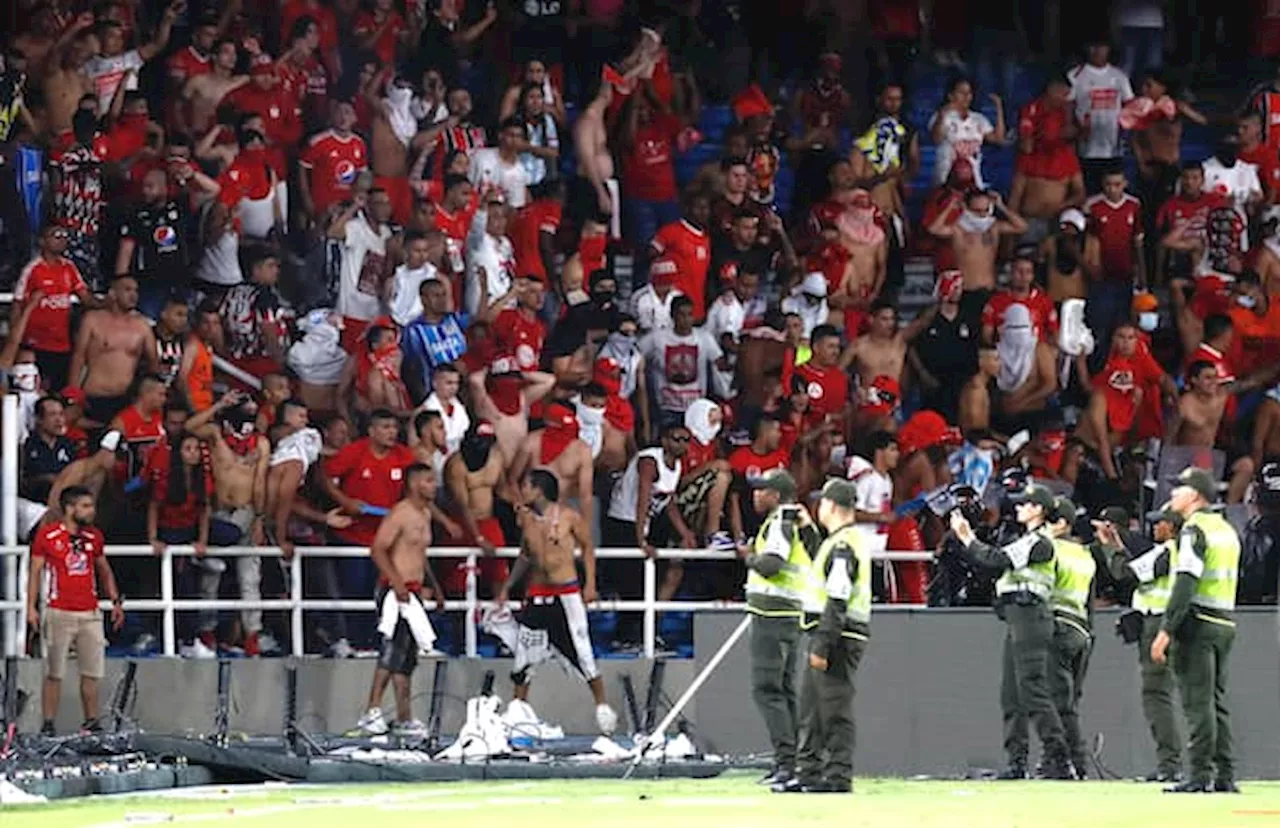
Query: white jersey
point(489, 171)
point(650, 311)
point(875, 494)
point(726, 316)
point(456, 420)
point(405, 304)
point(962, 137)
point(491, 258)
point(1238, 182)
point(364, 262)
point(1099, 93)
point(107, 73)
point(679, 365)
point(622, 505)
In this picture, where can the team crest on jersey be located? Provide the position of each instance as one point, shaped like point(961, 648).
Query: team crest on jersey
point(814, 391)
point(345, 172)
point(165, 237)
point(1122, 380)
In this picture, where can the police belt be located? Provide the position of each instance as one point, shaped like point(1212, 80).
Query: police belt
point(849, 629)
point(1022, 597)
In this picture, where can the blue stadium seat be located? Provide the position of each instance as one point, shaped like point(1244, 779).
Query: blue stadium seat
point(714, 120)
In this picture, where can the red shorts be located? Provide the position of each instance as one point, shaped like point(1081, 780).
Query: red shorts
point(492, 570)
point(353, 331)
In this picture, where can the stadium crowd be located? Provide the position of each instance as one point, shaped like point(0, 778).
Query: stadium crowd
point(265, 256)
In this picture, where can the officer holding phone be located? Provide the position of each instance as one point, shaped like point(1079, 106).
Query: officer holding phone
point(1152, 572)
point(777, 572)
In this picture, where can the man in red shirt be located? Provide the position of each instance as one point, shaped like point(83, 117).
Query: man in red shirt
point(1254, 150)
point(1188, 211)
point(1048, 177)
point(518, 333)
point(1115, 218)
point(686, 243)
point(532, 230)
point(1021, 291)
point(50, 279)
point(331, 161)
point(827, 383)
point(649, 138)
point(266, 97)
point(763, 454)
point(142, 423)
point(366, 478)
point(1117, 393)
point(381, 31)
point(326, 23)
point(73, 551)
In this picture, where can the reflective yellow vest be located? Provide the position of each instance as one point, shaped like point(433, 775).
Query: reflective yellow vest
point(857, 593)
point(790, 584)
point(1035, 578)
point(1218, 571)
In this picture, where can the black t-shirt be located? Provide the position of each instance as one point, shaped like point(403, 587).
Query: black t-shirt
point(436, 49)
point(540, 34)
point(948, 348)
point(158, 231)
point(727, 262)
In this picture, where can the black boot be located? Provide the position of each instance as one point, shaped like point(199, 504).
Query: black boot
point(776, 776)
point(1166, 776)
point(1225, 786)
point(1190, 786)
point(1015, 771)
point(1057, 769)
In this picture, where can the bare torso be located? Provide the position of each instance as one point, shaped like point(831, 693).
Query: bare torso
point(63, 89)
point(408, 552)
point(1044, 197)
point(567, 466)
point(510, 430)
point(862, 269)
point(550, 541)
point(205, 93)
point(117, 342)
point(235, 475)
point(480, 484)
point(976, 257)
point(1201, 417)
point(591, 142)
point(613, 452)
point(390, 155)
point(879, 358)
point(975, 404)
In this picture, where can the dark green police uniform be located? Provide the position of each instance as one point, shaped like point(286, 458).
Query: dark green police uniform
point(777, 572)
point(1074, 571)
point(1199, 621)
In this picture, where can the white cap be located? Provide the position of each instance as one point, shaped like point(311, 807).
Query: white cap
point(110, 441)
point(814, 284)
point(1073, 217)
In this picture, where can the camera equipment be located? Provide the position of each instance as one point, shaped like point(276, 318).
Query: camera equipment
point(1129, 626)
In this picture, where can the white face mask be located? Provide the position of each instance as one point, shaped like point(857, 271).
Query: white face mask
point(1147, 321)
point(591, 427)
point(971, 222)
point(26, 377)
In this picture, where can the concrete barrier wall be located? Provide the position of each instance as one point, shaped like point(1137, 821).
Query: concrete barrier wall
point(928, 698)
point(928, 694)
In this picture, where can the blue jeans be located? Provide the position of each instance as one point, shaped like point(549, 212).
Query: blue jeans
point(1143, 50)
point(642, 220)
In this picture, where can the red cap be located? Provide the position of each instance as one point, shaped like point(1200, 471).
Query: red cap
point(926, 429)
point(751, 102)
point(662, 271)
point(74, 394)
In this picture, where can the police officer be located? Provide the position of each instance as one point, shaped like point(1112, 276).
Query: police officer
point(1151, 571)
point(1198, 623)
point(1023, 592)
point(777, 570)
point(838, 606)
point(1074, 572)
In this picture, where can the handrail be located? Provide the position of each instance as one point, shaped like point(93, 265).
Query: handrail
point(296, 604)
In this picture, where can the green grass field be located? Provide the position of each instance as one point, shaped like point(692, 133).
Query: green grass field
point(732, 800)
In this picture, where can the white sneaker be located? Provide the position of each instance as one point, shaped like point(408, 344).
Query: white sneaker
point(341, 649)
point(200, 650)
point(606, 719)
point(372, 722)
point(412, 729)
point(721, 542)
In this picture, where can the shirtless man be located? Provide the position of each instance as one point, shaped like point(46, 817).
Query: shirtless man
point(205, 92)
point(111, 345)
point(1048, 177)
point(611, 446)
point(504, 400)
point(559, 604)
point(867, 246)
point(1199, 414)
point(65, 82)
point(298, 447)
point(46, 37)
point(240, 458)
point(975, 230)
point(557, 447)
point(90, 473)
point(590, 135)
point(1073, 257)
point(882, 350)
point(473, 475)
point(975, 394)
point(399, 552)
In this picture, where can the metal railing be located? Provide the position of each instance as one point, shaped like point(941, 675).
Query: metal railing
point(296, 605)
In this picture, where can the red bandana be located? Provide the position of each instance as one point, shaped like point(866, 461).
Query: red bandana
point(561, 430)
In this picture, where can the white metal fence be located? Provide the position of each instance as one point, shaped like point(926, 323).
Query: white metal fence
point(16, 558)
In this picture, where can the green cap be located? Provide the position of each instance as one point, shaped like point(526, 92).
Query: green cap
point(1064, 508)
point(1038, 495)
point(1166, 514)
point(840, 492)
point(1201, 480)
point(776, 480)
point(1115, 514)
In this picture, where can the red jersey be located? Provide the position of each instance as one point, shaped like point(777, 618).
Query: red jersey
point(744, 461)
point(1256, 342)
point(392, 28)
point(185, 515)
point(1193, 212)
point(525, 231)
point(249, 176)
point(455, 227)
point(1119, 378)
point(280, 111)
point(377, 481)
point(185, 64)
point(698, 455)
point(518, 336)
point(1118, 227)
point(69, 559)
point(1268, 163)
point(49, 328)
point(333, 161)
point(326, 22)
point(830, 259)
point(648, 171)
point(1043, 314)
point(1266, 102)
point(1051, 156)
point(828, 390)
point(140, 434)
point(690, 249)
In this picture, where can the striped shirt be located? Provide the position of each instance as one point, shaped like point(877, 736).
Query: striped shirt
point(426, 345)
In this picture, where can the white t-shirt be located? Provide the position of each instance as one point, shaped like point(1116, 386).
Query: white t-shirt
point(406, 303)
point(811, 315)
point(1237, 182)
point(622, 502)
point(107, 73)
point(489, 170)
point(961, 138)
point(364, 259)
point(726, 316)
point(652, 313)
point(456, 420)
point(875, 493)
point(1099, 92)
point(679, 365)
